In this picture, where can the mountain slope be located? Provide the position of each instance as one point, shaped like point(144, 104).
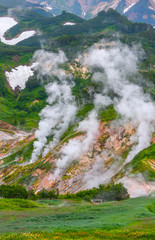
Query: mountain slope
point(87, 109)
point(142, 11)
point(135, 10)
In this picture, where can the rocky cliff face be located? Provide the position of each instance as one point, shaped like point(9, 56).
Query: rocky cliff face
point(89, 168)
point(135, 10)
point(103, 162)
point(12, 140)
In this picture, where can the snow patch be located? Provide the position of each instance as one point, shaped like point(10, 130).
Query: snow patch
point(151, 8)
point(5, 24)
point(84, 13)
point(49, 8)
point(19, 76)
point(8, 22)
point(69, 23)
point(21, 37)
point(127, 9)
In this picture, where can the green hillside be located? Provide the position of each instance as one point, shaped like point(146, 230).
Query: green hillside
point(142, 163)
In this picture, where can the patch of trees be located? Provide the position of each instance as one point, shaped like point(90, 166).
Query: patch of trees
point(111, 192)
point(13, 191)
point(54, 193)
point(19, 191)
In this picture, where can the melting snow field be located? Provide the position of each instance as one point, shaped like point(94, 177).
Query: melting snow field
point(127, 9)
point(69, 23)
point(151, 8)
point(8, 22)
point(19, 76)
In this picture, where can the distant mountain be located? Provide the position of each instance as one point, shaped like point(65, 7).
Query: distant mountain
point(142, 11)
point(135, 10)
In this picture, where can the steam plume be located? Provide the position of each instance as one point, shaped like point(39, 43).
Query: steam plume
point(61, 108)
point(118, 73)
point(77, 147)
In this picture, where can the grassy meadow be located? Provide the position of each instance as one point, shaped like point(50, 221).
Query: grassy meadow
point(68, 219)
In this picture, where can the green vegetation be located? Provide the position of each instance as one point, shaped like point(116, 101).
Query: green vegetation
point(108, 114)
point(22, 108)
point(128, 219)
point(13, 191)
point(73, 39)
point(24, 152)
point(83, 111)
point(143, 162)
point(12, 108)
point(24, 174)
point(70, 216)
point(46, 24)
point(17, 204)
point(19, 191)
point(105, 193)
point(92, 235)
point(150, 76)
point(80, 90)
point(48, 194)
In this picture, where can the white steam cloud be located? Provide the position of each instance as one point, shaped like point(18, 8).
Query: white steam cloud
point(137, 107)
point(119, 79)
point(77, 147)
point(118, 67)
point(61, 109)
point(15, 11)
point(101, 101)
point(137, 186)
point(99, 174)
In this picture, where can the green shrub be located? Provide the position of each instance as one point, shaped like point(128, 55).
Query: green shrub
point(108, 114)
point(17, 204)
point(31, 194)
point(13, 191)
point(43, 193)
point(109, 192)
